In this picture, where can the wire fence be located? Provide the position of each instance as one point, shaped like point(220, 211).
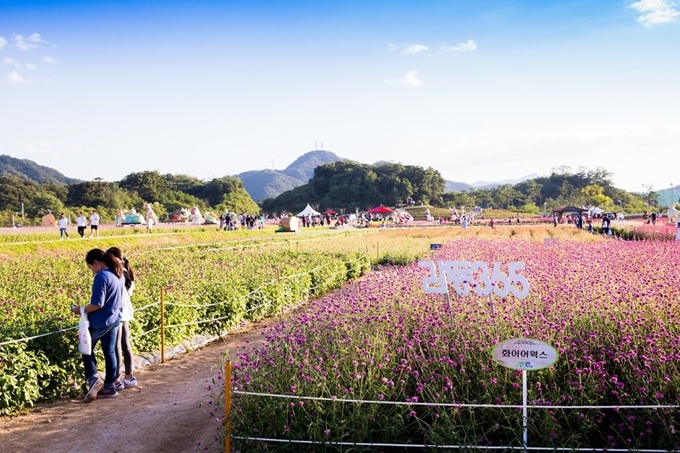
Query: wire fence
point(267, 303)
point(443, 405)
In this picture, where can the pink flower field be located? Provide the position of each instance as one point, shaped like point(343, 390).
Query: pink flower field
point(610, 308)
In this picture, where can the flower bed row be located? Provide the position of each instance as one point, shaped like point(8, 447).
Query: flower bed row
point(610, 308)
point(206, 292)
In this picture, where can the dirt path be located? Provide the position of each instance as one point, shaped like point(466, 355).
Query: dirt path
point(162, 414)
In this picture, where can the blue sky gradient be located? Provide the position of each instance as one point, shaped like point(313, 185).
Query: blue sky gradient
point(488, 90)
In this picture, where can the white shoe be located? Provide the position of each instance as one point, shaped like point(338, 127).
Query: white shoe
point(130, 382)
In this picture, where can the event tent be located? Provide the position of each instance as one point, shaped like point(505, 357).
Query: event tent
point(308, 211)
point(567, 209)
point(380, 210)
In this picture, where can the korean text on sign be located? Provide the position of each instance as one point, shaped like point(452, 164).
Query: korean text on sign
point(464, 275)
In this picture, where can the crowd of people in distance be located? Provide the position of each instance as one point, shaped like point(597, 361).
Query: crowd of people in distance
point(231, 222)
point(81, 223)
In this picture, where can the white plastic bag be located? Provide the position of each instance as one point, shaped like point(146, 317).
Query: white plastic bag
point(127, 311)
point(84, 338)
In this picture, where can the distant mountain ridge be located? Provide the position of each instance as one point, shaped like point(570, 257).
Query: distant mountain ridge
point(260, 184)
point(512, 182)
point(29, 170)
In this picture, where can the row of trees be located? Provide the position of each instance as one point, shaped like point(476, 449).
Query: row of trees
point(350, 185)
point(343, 185)
point(563, 187)
point(167, 193)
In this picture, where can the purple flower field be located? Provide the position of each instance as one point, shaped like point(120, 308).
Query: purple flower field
point(610, 308)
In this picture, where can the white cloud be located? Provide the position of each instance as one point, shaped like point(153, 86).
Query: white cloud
point(467, 46)
point(654, 12)
point(30, 66)
point(12, 62)
point(391, 46)
point(3, 42)
point(28, 43)
point(41, 149)
point(50, 60)
point(409, 80)
point(415, 48)
point(14, 77)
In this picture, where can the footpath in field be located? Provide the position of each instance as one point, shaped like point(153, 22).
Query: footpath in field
point(162, 414)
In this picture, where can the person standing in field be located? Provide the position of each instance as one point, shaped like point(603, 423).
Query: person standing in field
point(606, 225)
point(151, 218)
point(123, 343)
point(63, 224)
point(103, 313)
point(81, 223)
point(94, 224)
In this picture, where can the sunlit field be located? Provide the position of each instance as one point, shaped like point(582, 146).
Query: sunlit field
point(610, 308)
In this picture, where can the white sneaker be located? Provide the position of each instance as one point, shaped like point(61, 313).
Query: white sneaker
point(118, 386)
point(130, 382)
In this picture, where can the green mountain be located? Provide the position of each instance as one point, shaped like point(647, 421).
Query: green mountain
point(29, 170)
point(452, 186)
point(261, 184)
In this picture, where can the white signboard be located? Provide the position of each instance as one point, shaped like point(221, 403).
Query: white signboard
point(524, 354)
point(463, 275)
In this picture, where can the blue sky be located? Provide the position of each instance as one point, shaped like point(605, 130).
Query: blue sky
point(481, 91)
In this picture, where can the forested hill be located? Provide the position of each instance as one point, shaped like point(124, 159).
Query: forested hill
point(270, 183)
point(29, 170)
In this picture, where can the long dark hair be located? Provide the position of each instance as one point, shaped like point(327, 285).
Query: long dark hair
point(112, 262)
point(129, 274)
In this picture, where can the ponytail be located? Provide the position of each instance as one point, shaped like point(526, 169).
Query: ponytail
point(129, 274)
point(114, 264)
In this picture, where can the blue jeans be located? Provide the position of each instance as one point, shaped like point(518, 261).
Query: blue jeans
point(107, 335)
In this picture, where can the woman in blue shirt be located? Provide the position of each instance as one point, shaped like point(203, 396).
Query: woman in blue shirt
point(103, 314)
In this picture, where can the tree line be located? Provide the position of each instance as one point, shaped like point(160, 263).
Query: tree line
point(166, 192)
point(343, 186)
point(348, 186)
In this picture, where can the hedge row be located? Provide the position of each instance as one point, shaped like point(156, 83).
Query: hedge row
point(205, 293)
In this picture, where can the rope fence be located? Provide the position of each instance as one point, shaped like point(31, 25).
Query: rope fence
point(440, 447)
point(452, 405)
point(160, 302)
point(21, 340)
point(229, 392)
point(244, 244)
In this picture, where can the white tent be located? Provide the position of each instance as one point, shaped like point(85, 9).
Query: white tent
point(308, 211)
point(595, 211)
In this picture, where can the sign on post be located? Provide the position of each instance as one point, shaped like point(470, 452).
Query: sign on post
point(524, 354)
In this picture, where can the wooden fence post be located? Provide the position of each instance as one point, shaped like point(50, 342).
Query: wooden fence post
point(162, 325)
point(227, 407)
